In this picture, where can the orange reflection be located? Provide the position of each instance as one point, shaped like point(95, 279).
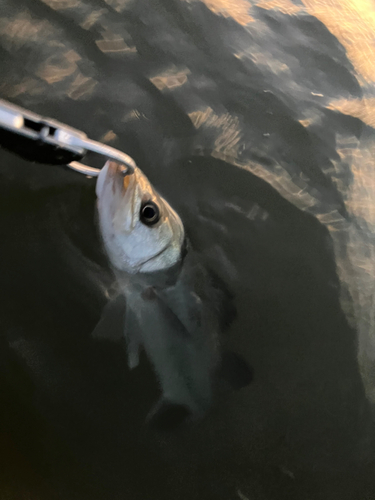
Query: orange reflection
point(364, 109)
point(352, 22)
point(57, 68)
point(82, 87)
point(284, 6)
point(171, 78)
point(62, 4)
point(24, 29)
point(236, 9)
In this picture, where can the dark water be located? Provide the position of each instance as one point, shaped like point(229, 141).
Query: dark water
point(255, 122)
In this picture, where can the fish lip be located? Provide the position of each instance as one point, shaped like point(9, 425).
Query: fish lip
point(119, 174)
point(111, 174)
point(118, 168)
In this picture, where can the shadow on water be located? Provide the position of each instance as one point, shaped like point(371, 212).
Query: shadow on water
point(239, 125)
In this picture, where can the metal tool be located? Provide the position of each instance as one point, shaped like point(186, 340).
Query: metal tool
point(41, 139)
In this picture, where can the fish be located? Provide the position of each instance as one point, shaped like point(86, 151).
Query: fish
point(173, 307)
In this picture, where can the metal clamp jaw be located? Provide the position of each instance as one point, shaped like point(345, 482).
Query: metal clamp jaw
point(69, 142)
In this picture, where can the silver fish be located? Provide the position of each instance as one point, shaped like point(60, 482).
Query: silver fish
point(175, 310)
point(140, 230)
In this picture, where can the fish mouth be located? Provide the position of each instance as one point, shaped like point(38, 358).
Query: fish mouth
point(113, 174)
point(120, 173)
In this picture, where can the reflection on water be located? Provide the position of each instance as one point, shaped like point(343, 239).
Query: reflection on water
point(171, 78)
point(283, 90)
point(284, 6)
point(360, 108)
point(238, 10)
point(61, 69)
point(352, 22)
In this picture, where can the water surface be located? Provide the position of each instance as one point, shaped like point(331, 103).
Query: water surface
point(256, 121)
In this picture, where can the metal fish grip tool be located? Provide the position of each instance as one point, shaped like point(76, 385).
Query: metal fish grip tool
point(43, 140)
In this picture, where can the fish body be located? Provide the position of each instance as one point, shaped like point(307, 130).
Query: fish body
point(175, 310)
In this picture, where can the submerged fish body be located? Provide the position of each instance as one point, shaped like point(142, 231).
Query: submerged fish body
point(174, 309)
point(178, 338)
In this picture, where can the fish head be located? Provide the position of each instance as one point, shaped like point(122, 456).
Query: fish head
point(140, 230)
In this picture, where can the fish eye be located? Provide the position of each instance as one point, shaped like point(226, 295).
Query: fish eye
point(150, 213)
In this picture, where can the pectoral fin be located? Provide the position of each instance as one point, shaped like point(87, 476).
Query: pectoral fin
point(186, 307)
point(111, 323)
point(133, 337)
